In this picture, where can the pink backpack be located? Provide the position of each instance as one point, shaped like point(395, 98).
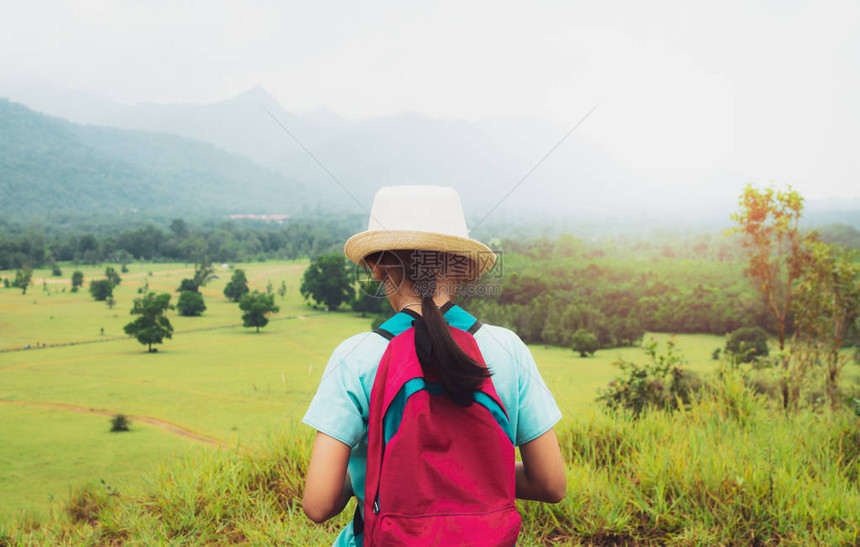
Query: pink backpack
point(437, 473)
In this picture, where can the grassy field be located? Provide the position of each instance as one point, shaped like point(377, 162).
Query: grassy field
point(214, 379)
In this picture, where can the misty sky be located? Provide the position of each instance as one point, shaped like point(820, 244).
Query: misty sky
point(764, 89)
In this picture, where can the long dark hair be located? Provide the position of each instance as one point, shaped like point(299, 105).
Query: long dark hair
point(459, 374)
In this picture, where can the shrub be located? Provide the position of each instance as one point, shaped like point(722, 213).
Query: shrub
point(747, 344)
point(119, 422)
point(85, 505)
point(662, 382)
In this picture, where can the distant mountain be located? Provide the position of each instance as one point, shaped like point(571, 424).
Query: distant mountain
point(484, 160)
point(49, 165)
point(580, 182)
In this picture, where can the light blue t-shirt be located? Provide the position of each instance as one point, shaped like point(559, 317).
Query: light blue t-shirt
point(341, 405)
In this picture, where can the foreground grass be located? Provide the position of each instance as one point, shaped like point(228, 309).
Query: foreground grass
point(46, 452)
point(727, 470)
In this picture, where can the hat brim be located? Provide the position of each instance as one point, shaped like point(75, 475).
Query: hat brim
point(365, 243)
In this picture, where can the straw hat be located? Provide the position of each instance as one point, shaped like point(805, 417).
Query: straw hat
point(428, 218)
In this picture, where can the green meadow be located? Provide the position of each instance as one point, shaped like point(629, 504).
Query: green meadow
point(214, 378)
point(216, 453)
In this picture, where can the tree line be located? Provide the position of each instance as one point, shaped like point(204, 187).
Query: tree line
point(176, 241)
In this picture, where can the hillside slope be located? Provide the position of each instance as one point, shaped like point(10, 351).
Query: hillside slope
point(49, 165)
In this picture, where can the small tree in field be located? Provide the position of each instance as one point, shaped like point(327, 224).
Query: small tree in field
point(328, 281)
point(190, 304)
point(101, 289)
point(23, 278)
point(77, 280)
point(202, 271)
point(152, 327)
point(257, 307)
point(112, 276)
point(584, 342)
point(188, 285)
point(370, 300)
point(237, 286)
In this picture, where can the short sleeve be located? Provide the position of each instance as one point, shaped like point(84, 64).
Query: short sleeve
point(340, 405)
point(538, 411)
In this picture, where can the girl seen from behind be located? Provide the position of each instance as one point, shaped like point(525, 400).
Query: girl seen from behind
point(419, 418)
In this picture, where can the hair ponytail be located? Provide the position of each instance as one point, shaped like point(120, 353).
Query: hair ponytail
point(459, 374)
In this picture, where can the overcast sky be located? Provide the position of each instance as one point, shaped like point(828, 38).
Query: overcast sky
point(766, 89)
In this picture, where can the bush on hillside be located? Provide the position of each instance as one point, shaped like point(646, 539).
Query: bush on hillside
point(747, 344)
point(662, 382)
point(119, 422)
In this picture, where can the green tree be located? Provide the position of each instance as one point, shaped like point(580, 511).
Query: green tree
point(257, 307)
point(190, 304)
point(179, 228)
point(584, 342)
point(101, 289)
point(23, 278)
point(112, 276)
point(282, 289)
point(188, 285)
point(328, 281)
point(123, 257)
point(371, 299)
point(152, 327)
point(237, 286)
point(747, 343)
point(826, 305)
point(769, 221)
point(55, 269)
point(77, 280)
point(202, 271)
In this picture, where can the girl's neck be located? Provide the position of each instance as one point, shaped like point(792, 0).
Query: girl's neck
point(411, 302)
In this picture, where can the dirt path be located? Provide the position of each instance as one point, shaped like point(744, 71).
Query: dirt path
point(161, 424)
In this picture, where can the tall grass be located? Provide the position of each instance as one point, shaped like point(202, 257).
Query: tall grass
point(727, 469)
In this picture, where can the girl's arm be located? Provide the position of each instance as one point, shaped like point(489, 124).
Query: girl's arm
point(327, 486)
point(540, 476)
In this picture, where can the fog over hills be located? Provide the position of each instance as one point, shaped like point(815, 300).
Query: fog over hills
point(578, 182)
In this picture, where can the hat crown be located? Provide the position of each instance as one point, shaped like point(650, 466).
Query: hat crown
point(434, 209)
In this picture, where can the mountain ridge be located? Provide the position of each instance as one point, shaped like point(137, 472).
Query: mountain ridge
point(49, 165)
